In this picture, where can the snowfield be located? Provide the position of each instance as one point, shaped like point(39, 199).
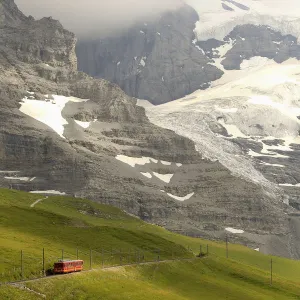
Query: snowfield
point(84, 125)
point(257, 103)
point(132, 161)
point(48, 111)
point(21, 178)
point(142, 161)
point(233, 230)
point(216, 22)
point(148, 175)
point(49, 192)
point(164, 177)
point(187, 197)
point(222, 51)
point(288, 184)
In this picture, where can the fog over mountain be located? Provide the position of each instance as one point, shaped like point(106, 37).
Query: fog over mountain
point(91, 17)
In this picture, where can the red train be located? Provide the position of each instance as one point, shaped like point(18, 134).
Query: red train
point(68, 266)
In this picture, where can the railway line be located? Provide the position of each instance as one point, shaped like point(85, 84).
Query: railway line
point(14, 283)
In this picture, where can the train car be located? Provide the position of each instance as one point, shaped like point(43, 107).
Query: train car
point(68, 266)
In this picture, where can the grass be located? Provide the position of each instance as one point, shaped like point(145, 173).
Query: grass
point(79, 225)
point(207, 278)
point(64, 226)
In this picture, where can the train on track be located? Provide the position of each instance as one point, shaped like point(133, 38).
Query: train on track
point(67, 266)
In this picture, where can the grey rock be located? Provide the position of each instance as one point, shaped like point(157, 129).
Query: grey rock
point(209, 45)
point(10, 14)
point(226, 7)
point(238, 5)
point(251, 40)
point(156, 61)
point(38, 56)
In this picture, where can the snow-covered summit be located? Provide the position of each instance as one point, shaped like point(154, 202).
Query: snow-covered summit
point(219, 17)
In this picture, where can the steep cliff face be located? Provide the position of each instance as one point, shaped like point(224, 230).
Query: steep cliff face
point(155, 60)
point(10, 14)
point(102, 146)
point(247, 41)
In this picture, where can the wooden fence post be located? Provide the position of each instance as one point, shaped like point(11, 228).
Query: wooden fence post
point(90, 259)
point(43, 261)
point(22, 270)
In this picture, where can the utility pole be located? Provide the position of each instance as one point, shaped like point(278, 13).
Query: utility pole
point(271, 279)
point(90, 259)
point(43, 261)
point(226, 246)
point(22, 274)
point(77, 254)
point(102, 256)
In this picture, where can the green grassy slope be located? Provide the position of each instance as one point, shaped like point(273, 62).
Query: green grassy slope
point(207, 278)
point(66, 223)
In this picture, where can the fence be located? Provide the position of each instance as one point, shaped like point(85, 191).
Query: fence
point(30, 266)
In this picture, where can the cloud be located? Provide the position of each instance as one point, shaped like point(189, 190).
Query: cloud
point(88, 17)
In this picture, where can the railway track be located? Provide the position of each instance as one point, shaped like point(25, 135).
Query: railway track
point(19, 282)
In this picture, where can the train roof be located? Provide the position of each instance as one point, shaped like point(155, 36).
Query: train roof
point(68, 260)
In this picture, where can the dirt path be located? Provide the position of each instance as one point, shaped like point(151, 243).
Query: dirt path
point(37, 201)
point(23, 287)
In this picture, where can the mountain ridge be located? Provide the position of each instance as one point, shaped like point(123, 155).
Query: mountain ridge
point(65, 132)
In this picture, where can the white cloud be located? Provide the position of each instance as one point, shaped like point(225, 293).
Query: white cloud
point(90, 16)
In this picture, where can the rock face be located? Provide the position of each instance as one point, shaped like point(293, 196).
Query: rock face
point(157, 61)
point(162, 60)
point(249, 41)
point(10, 14)
point(102, 146)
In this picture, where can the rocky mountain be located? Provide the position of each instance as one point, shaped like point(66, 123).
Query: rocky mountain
point(154, 60)
point(178, 53)
point(64, 132)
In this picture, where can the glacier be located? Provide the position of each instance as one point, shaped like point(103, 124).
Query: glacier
point(259, 103)
point(216, 22)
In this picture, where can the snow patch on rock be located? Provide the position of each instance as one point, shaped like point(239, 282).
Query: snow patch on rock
point(19, 178)
point(233, 230)
point(272, 165)
point(49, 112)
point(291, 185)
point(48, 192)
point(164, 177)
point(187, 197)
point(221, 52)
point(132, 161)
point(148, 175)
point(143, 61)
point(83, 124)
point(231, 129)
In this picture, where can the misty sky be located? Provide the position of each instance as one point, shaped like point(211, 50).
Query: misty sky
point(86, 17)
